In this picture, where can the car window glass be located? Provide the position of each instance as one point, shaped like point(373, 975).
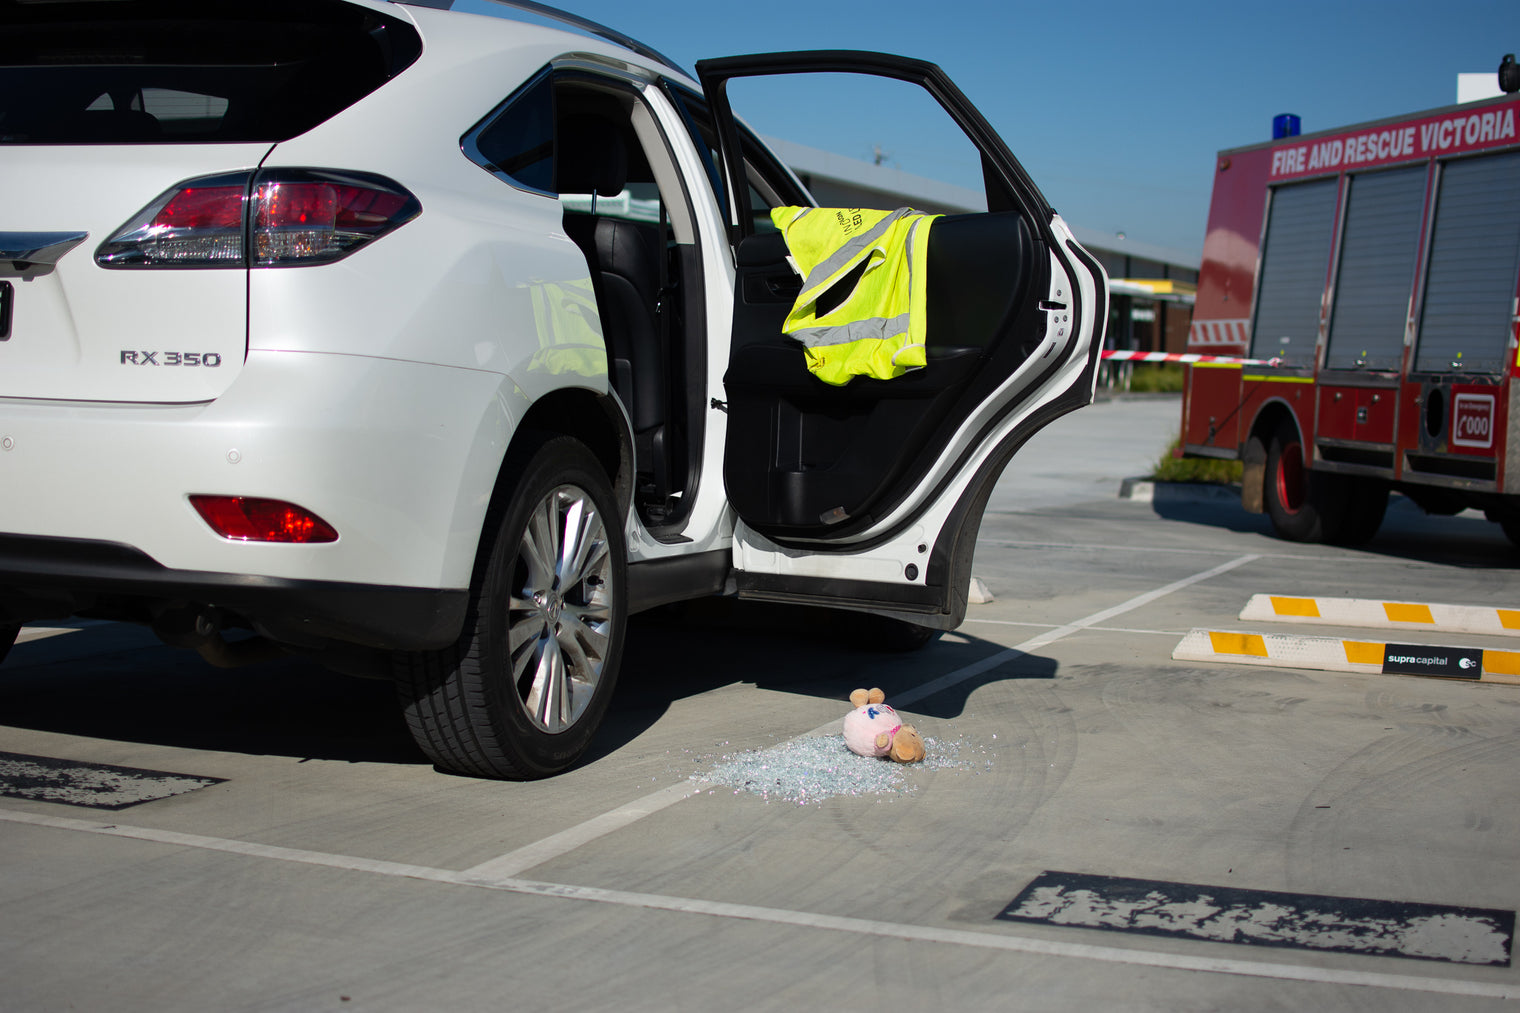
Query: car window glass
point(639, 202)
point(518, 140)
point(858, 140)
point(768, 185)
point(699, 124)
point(181, 112)
point(73, 71)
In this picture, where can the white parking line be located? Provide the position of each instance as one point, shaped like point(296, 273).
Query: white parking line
point(555, 845)
point(30, 633)
point(1094, 629)
point(779, 916)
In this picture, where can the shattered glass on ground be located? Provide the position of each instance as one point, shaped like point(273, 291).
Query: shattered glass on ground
point(814, 768)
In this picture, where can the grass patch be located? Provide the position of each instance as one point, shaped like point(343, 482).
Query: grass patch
point(1156, 377)
point(1195, 469)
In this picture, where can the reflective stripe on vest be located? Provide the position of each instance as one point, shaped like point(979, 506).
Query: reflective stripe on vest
point(878, 328)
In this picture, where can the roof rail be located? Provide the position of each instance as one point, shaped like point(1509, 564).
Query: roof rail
point(565, 18)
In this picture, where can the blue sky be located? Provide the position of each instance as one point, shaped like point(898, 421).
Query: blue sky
point(1115, 108)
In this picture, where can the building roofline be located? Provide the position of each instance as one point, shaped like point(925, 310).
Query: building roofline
point(853, 171)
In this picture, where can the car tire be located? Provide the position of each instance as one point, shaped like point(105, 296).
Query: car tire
point(1304, 505)
point(8, 636)
point(870, 632)
point(521, 694)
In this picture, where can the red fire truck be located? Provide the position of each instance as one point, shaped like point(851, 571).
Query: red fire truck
point(1367, 277)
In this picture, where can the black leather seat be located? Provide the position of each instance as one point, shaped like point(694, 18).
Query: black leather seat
point(591, 156)
point(114, 126)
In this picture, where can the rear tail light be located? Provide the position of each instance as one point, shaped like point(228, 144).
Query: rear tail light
point(249, 519)
point(272, 218)
point(316, 219)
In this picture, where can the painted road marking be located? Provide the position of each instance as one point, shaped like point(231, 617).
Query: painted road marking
point(1331, 654)
point(1051, 626)
point(1458, 935)
point(795, 919)
point(1375, 614)
point(95, 785)
point(30, 633)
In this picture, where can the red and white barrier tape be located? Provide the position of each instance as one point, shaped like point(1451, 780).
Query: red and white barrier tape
point(1117, 355)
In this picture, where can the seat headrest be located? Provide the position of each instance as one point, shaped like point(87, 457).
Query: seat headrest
point(590, 156)
point(111, 125)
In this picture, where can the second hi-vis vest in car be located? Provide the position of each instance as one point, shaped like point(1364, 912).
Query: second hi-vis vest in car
point(878, 327)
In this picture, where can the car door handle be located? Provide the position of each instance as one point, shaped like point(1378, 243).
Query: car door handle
point(787, 285)
point(772, 288)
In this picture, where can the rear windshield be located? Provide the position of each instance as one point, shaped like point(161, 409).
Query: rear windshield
point(166, 71)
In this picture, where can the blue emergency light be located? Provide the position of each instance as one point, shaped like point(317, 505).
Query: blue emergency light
point(1284, 125)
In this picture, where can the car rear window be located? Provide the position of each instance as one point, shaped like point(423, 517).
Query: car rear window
point(165, 71)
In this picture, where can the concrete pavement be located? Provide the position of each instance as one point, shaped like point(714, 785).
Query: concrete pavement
point(331, 869)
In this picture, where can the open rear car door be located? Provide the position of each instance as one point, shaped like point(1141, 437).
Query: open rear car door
point(870, 495)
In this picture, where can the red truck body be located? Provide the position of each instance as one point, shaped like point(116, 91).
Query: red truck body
point(1368, 277)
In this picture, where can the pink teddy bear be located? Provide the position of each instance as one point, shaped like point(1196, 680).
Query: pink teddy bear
point(874, 729)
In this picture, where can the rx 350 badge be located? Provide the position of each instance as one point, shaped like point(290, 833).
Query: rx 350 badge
point(132, 357)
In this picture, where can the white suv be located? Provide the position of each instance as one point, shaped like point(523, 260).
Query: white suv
point(437, 343)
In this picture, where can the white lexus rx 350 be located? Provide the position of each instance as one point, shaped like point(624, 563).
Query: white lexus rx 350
point(437, 343)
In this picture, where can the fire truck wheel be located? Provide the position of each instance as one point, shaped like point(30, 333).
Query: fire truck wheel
point(1305, 506)
point(1366, 502)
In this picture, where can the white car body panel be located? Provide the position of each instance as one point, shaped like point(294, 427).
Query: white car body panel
point(418, 355)
point(71, 325)
point(490, 315)
point(329, 432)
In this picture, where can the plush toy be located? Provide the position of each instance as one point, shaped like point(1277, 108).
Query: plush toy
point(874, 729)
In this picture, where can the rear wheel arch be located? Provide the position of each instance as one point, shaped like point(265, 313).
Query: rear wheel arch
point(590, 418)
point(1270, 419)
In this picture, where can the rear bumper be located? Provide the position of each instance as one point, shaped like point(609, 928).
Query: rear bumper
point(55, 577)
point(400, 458)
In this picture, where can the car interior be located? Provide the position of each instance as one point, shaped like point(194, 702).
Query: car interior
point(836, 458)
point(626, 209)
point(803, 458)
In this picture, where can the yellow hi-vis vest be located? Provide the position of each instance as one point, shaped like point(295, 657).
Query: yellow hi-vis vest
point(878, 328)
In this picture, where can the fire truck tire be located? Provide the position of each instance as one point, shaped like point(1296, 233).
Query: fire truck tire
point(1305, 505)
point(1366, 502)
point(1510, 523)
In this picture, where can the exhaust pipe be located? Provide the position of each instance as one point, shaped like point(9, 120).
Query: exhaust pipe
point(198, 630)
